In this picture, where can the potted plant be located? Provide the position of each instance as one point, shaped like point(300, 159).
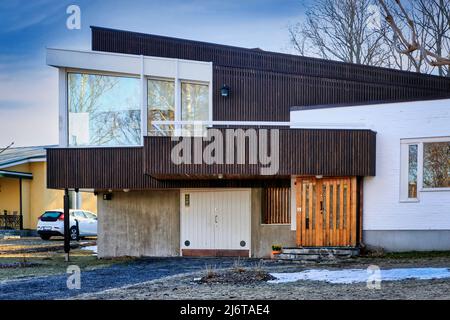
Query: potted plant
point(276, 249)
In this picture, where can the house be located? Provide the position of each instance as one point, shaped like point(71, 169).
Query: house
point(200, 149)
point(23, 192)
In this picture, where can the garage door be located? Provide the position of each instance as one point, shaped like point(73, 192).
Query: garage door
point(215, 222)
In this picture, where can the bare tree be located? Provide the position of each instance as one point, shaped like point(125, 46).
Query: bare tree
point(341, 30)
point(420, 31)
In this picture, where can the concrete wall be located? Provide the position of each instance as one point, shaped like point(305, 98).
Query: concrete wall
point(389, 220)
point(408, 240)
point(264, 236)
point(139, 223)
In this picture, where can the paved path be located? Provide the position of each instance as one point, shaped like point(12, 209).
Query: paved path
point(54, 287)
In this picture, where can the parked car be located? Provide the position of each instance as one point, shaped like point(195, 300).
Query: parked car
point(82, 224)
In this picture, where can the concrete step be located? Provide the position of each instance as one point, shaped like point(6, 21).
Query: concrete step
point(317, 254)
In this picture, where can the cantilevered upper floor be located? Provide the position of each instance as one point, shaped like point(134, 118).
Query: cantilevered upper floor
point(121, 103)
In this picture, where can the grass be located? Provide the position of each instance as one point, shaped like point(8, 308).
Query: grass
point(49, 263)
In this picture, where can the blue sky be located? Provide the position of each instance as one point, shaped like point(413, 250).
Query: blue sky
point(28, 99)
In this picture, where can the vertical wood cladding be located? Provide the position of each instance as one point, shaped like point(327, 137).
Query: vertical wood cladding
point(302, 152)
point(264, 85)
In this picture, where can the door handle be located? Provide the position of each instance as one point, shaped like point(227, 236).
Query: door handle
point(215, 219)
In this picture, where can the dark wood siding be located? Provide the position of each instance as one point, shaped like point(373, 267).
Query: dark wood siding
point(264, 85)
point(122, 168)
point(276, 205)
point(302, 152)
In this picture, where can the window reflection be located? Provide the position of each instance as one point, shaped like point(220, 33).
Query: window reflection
point(103, 110)
point(194, 105)
point(161, 106)
point(436, 165)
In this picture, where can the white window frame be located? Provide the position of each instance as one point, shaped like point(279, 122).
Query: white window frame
point(125, 65)
point(404, 167)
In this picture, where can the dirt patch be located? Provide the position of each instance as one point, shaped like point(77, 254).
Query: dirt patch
point(241, 276)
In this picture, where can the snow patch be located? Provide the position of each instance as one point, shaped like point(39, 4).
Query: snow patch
point(90, 248)
point(361, 275)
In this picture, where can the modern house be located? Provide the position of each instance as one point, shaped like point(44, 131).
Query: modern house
point(202, 149)
point(23, 189)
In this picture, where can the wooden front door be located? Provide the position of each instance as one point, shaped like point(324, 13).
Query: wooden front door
point(326, 212)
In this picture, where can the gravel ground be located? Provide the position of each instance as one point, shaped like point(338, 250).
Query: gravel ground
point(142, 270)
point(183, 286)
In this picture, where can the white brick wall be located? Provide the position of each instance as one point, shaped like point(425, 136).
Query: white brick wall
point(383, 209)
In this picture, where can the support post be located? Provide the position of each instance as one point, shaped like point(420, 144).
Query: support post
point(20, 205)
point(66, 225)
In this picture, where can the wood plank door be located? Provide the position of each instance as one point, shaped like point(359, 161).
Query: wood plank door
point(326, 212)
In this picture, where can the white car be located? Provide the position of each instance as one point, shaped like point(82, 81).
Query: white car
point(82, 224)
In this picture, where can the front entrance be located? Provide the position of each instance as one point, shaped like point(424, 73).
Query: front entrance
point(326, 212)
point(215, 222)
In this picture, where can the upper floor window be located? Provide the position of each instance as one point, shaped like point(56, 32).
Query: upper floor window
point(163, 97)
point(103, 110)
point(161, 105)
point(425, 166)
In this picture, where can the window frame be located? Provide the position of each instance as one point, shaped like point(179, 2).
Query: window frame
point(146, 79)
point(404, 167)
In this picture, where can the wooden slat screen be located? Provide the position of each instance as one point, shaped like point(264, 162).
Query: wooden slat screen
point(276, 204)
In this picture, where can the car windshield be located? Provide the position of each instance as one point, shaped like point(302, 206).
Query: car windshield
point(51, 214)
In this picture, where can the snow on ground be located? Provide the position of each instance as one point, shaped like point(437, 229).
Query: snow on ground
point(362, 275)
point(91, 248)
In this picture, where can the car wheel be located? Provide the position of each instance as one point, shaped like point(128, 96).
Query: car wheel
point(74, 235)
point(45, 237)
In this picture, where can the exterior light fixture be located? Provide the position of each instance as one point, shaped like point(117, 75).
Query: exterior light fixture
point(225, 91)
point(220, 176)
point(319, 176)
point(126, 190)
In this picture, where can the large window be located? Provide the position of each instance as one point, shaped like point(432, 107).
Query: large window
point(425, 167)
point(436, 165)
point(161, 106)
point(103, 110)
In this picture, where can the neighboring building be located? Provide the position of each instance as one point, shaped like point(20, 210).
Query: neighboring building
point(131, 108)
point(23, 192)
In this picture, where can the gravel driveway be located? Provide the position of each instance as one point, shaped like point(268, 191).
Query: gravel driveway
point(54, 287)
point(172, 278)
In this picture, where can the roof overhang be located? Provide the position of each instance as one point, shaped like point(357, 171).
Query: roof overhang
point(15, 174)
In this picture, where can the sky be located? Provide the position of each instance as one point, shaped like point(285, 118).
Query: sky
point(28, 87)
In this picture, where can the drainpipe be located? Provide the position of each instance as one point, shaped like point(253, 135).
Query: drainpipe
point(66, 225)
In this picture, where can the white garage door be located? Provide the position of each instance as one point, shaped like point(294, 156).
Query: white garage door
point(215, 219)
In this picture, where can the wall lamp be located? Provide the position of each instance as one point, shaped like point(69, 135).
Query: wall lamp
point(225, 91)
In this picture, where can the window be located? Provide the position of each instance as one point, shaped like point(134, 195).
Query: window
point(412, 171)
point(79, 214)
point(425, 166)
point(436, 165)
point(161, 106)
point(276, 206)
point(103, 110)
point(194, 105)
